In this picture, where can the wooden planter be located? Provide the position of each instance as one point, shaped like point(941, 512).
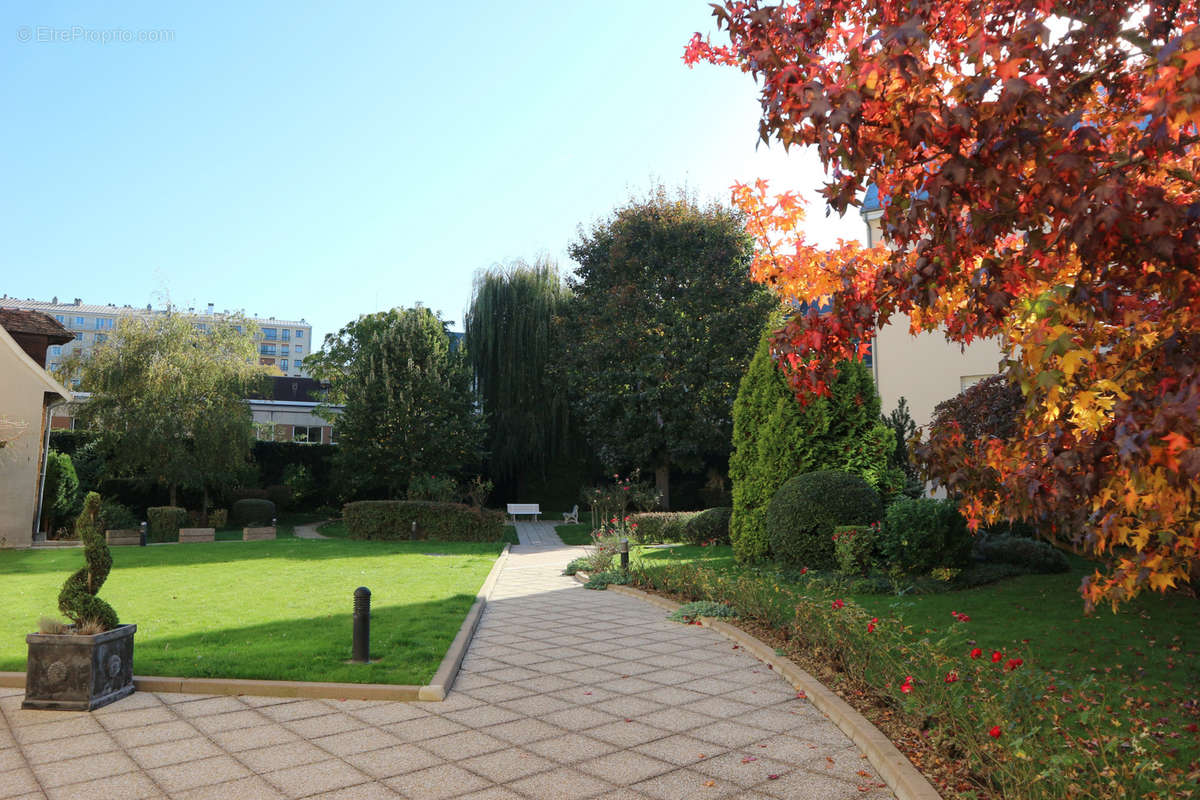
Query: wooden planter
point(70, 672)
point(257, 534)
point(124, 537)
point(197, 535)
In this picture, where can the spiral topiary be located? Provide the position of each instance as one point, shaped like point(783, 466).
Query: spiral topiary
point(78, 600)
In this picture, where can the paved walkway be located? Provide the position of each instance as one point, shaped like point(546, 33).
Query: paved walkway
point(309, 531)
point(538, 534)
point(564, 693)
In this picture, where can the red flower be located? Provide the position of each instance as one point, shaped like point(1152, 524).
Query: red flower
point(906, 687)
point(997, 656)
point(871, 624)
point(838, 604)
point(1013, 663)
point(803, 570)
point(976, 653)
point(951, 676)
point(960, 617)
point(994, 732)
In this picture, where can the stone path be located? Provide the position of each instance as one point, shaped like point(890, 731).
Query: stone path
point(564, 693)
point(538, 534)
point(309, 531)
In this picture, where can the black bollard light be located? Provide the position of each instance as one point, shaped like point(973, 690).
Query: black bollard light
point(362, 625)
point(623, 549)
point(142, 536)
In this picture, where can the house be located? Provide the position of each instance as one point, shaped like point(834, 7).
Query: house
point(27, 397)
point(924, 369)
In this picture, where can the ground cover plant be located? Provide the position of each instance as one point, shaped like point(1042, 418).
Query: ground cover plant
point(272, 610)
point(1020, 691)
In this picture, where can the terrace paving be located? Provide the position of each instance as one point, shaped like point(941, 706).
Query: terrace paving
point(564, 693)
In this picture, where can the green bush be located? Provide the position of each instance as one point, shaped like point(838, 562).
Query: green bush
point(661, 526)
point(690, 612)
point(806, 509)
point(116, 517)
point(854, 548)
point(282, 496)
point(711, 525)
point(218, 517)
point(601, 580)
point(919, 535)
point(252, 511)
point(1038, 557)
point(443, 522)
point(61, 501)
point(78, 600)
point(435, 488)
point(164, 523)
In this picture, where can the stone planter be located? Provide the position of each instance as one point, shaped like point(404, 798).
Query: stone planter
point(197, 535)
point(124, 537)
point(69, 672)
point(257, 534)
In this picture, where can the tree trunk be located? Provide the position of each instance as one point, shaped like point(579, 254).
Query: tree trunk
point(204, 507)
point(662, 482)
point(173, 489)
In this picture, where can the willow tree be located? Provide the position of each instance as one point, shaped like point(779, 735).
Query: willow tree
point(512, 340)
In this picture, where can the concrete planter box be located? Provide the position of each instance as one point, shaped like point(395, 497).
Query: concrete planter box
point(257, 534)
point(68, 672)
point(197, 535)
point(124, 537)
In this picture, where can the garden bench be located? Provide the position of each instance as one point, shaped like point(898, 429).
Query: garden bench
point(533, 509)
point(571, 516)
point(197, 535)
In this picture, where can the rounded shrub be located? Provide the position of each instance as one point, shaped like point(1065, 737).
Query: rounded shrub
point(806, 509)
point(252, 511)
point(114, 516)
point(1035, 556)
point(164, 522)
point(711, 525)
point(923, 534)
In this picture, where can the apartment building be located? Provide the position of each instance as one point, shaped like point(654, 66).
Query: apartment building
point(924, 369)
point(282, 343)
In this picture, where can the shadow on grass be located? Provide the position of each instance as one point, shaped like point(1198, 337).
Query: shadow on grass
point(28, 562)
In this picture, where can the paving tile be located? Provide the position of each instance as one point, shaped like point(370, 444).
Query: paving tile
point(297, 709)
point(492, 793)
point(153, 734)
point(802, 785)
point(506, 765)
point(571, 748)
point(681, 750)
point(416, 730)
point(524, 731)
point(72, 747)
point(536, 705)
point(392, 761)
point(130, 786)
point(236, 741)
point(684, 784)
point(88, 768)
point(280, 756)
point(165, 753)
point(562, 784)
point(217, 723)
point(389, 713)
point(10, 759)
point(625, 767)
point(623, 706)
point(18, 781)
point(499, 692)
point(138, 718)
point(741, 767)
point(720, 708)
point(327, 725)
point(482, 716)
point(249, 788)
point(129, 703)
point(626, 734)
point(316, 778)
point(437, 783)
point(463, 745)
point(359, 741)
point(364, 791)
point(579, 718)
point(190, 774)
point(80, 725)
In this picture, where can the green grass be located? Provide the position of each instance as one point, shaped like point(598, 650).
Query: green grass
point(510, 535)
point(270, 610)
point(580, 534)
point(336, 529)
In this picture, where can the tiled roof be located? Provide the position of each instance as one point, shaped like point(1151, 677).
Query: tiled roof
point(35, 323)
point(89, 308)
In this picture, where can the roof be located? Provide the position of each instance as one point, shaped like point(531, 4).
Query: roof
point(118, 311)
point(47, 383)
point(34, 323)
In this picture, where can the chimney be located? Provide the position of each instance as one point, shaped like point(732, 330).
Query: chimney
point(54, 301)
point(78, 302)
point(210, 308)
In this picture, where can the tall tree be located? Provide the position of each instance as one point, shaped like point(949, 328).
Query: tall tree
point(1038, 163)
point(407, 404)
point(513, 340)
point(168, 398)
point(663, 324)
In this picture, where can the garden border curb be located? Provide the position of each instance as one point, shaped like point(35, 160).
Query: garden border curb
point(434, 691)
point(902, 778)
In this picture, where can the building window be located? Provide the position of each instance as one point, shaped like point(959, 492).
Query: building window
point(53, 366)
point(299, 334)
point(264, 431)
point(101, 337)
point(285, 334)
point(299, 349)
point(79, 337)
point(270, 334)
point(267, 349)
point(103, 324)
point(283, 364)
point(967, 381)
point(61, 319)
point(307, 434)
point(79, 322)
point(56, 350)
point(283, 349)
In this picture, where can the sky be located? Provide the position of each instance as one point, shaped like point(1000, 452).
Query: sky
point(322, 161)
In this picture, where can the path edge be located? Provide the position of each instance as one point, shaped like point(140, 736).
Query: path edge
point(902, 778)
point(434, 691)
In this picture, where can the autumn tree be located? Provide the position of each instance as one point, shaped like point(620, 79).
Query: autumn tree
point(662, 326)
point(169, 399)
point(406, 405)
point(1041, 181)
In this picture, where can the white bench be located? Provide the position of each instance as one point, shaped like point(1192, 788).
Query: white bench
point(533, 509)
point(571, 516)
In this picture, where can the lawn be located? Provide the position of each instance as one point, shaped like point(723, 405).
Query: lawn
point(336, 529)
point(272, 610)
point(580, 534)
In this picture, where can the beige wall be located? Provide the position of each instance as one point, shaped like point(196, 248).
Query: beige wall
point(924, 369)
point(24, 387)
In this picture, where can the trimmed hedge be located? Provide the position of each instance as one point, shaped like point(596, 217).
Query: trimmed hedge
point(806, 509)
point(711, 525)
point(440, 522)
point(661, 526)
point(919, 535)
point(1038, 557)
point(164, 522)
point(252, 511)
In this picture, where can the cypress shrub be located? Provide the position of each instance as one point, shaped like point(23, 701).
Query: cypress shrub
point(806, 509)
point(442, 522)
point(252, 511)
point(164, 522)
point(776, 438)
point(78, 600)
point(61, 492)
point(710, 525)
point(919, 535)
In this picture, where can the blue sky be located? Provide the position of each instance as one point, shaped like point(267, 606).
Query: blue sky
point(327, 160)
